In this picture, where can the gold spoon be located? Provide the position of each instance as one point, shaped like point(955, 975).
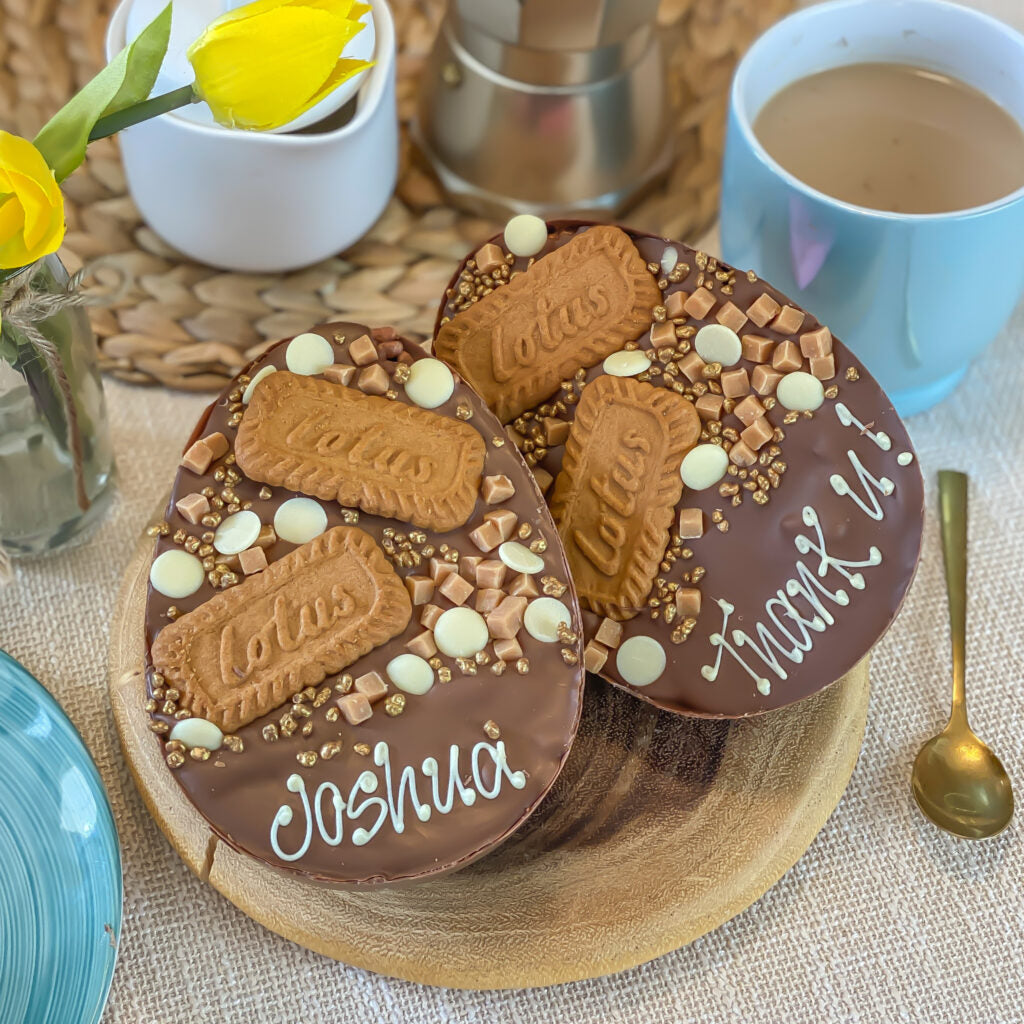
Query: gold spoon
point(957, 781)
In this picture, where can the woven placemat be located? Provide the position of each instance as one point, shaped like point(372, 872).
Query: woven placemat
point(189, 326)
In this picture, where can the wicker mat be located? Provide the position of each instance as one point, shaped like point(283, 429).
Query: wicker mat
point(189, 326)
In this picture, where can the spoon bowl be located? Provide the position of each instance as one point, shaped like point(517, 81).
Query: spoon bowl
point(962, 786)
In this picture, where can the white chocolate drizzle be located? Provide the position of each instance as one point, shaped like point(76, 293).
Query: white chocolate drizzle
point(870, 483)
point(904, 458)
point(847, 419)
point(391, 805)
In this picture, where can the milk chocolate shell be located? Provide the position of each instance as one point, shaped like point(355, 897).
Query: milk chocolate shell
point(740, 505)
point(364, 655)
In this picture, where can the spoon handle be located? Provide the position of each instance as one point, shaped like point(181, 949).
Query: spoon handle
point(953, 516)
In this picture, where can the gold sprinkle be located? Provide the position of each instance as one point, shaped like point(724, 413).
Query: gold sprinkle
point(159, 727)
point(344, 684)
point(307, 758)
point(270, 733)
point(852, 373)
point(491, 729)
point(570, 657)
point(444, 674)
point(831, 391)
point(525, 529)
point(362, 749)
point(498, 442)
point(723, 526)
point(394, 705)
point(332, 714)
point(199, 754)
point(175, 759)
point(463, 411)
point(498, 668)
point(523, 666)
point(235, 744)
point(539, 546)
point(307, 729)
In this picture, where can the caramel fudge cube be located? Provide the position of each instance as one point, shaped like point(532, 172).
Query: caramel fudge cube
point(594, 656)
point(488, 599)
point(491, 573)
point(740, 454)
point(764, 379)
point(690, 527)
point(555, 430)
point(340, 373)
point(421, 588)
point(193, 507)
point(543, 478)
point(487, 536)
point(468, 566)
point(508, 649)
point(507, 619)
point(524, 586)
point(786, 358)
point(505, 519)
point(762, 309)
point(422, 644)
point(748, 410)
point(372, 686)
point(823, 367)
point(355, 708)
point(663, 334)
point(496, 489)
point(735, 383)
point(688, 602)
point(788, 321)
point(756, 348)
point(362, 351)
point(373, 380)
point(252, 560)
point(690, 366)
point(198, 457)
point(489, 258)
point(731, 316)
point(675, 304)
point(440, 569)
point(757, 434)
point(709, 406)
point(816, 343)
point(455, 588)
point(429, 616)
point(699, 303)
point(609, 633)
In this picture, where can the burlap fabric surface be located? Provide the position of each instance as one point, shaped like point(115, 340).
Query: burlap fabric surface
point(884, 918)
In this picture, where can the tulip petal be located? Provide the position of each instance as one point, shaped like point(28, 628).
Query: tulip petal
point(31, 204)
point(260, 72)
point(343, 71)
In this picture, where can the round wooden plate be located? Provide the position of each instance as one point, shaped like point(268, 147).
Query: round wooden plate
point(659, 829)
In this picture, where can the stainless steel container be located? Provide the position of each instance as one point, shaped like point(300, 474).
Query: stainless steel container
point(553, 107)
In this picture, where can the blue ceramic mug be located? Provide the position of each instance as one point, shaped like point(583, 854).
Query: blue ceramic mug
point(915, 296)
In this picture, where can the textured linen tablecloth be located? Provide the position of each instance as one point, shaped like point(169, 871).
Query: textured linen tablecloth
point(884, 918)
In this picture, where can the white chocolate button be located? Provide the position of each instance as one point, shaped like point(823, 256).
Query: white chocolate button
point(640, 660)
point(904, 458)
point(519, 558)
point(409, 672)
point(543, 616)
point(237, 532)
point(176, 574)
point(251, 386)
point(704, 466)
point(716, 343)
point(525, 235)
point(198, 732)
point(626, 364)
point(800, 392)
point(460, 633)
point(308, 354)
point(430, 383)
point(669, 259)
point(298, 520)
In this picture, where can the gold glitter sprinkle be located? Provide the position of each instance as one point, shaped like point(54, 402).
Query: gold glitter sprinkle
point(444, 674)
point(235, 744)
point(330, 749)
point(463, 411)
point(394, 705)
point(266, 493)
point(270, 733)
point(498, 442)
point(307, 729)
point(344, 684)
point(362, 749)
point(491, 729)
point(307, 758)
point(498, 668)
point(539, 546)
point(832, 391)
point(523, 666)
point(569, 657)
point(552, 586)
point(199, 754)
point(159, 727)
point(524, 531)
point(175, 759)
point(852, 373)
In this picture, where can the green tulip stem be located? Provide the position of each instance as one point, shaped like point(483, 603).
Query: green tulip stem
point(121, 119)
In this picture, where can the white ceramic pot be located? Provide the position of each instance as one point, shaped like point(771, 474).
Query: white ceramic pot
point(259, 202)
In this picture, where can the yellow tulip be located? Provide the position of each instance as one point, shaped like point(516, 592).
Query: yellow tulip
point(31, 205)
point(262, 65)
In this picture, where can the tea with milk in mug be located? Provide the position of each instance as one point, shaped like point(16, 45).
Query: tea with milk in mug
point(894, 137)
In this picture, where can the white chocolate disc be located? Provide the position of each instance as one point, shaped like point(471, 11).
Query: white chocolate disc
point(800, 392)
point(460, 633)
point(626, 364)
point(251, 386)
point(543, 616)
point(237, 532)
point(308, 354)
point(640, 660)
point(298, 520)
point(525, 235)
point(409, 672)
point(669, 259)
point(430, 383)
point(716, 343)
point(519, 558)
point(704, 466)
point(197, 732)
point(176, 574)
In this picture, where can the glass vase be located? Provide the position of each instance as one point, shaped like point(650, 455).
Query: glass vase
point(46, 500)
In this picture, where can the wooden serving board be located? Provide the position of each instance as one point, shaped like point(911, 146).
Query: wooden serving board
point(659, 829)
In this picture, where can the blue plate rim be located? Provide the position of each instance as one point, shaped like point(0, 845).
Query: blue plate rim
point(19, 671)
